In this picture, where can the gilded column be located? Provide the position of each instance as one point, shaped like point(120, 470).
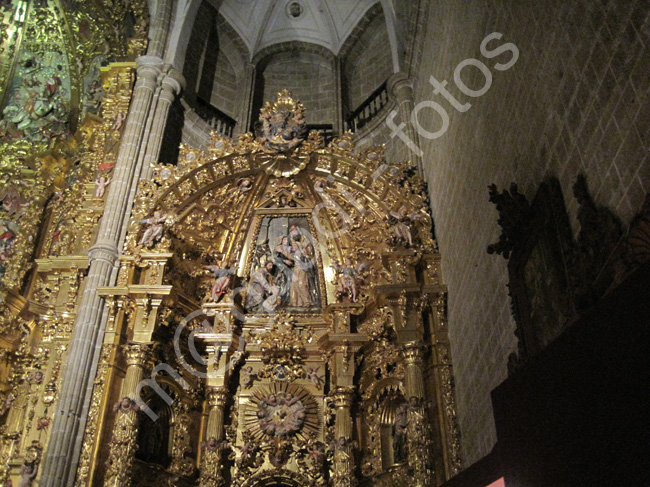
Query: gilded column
point(343, 476)
point(400, 87)
point(123, 444)
point(212, 461)
point(418, 430)
point(414, 380)
point(62, 455)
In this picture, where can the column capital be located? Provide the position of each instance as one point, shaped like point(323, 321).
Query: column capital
point(412, 353)
point(137, 353)
point(217, 396)
point(103, 251)
point(149, 63)
point(148, 69)
point(343, 397)
point(173, 82)
point(400, 86)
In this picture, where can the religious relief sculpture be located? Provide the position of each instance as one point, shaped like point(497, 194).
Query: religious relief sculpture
point(283, 124)
point(400, 451)
point(401, 225)
point(281, 414)
point(286, 275)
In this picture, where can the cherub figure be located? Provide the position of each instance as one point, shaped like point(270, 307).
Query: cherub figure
point(222, 280)
point(27, 474)
point(12, 201)
point(244, 185)
point(126, 405)
point(119, 121)
point(154, 231)
point(314, 378)
point(100, 186)
point(247, 377)
point(8, 402)
point(249, 455)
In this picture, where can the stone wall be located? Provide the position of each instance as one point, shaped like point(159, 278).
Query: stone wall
point(575, 102)
point(367, 65)
point(309, 77)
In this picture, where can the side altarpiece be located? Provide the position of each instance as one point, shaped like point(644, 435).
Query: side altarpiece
point(278, 318)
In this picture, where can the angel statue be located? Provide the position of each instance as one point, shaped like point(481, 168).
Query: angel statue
point(154, 230)
point(222, 280)
point(349, 277)
point(400, 224)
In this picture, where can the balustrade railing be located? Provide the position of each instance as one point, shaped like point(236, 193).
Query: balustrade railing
point(218, 120)
point(377, 100)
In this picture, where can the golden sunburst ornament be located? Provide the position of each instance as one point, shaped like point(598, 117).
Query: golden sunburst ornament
point(281, 410)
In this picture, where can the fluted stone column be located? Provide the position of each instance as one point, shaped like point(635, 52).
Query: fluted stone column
point(172, 84)
point(400, 87)
point(62, 455)
point(159, 31)
point(123, 442)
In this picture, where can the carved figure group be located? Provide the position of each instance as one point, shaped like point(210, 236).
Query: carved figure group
point(38, 107)
point(280, 414)
point(296, 278)
point(262, 294)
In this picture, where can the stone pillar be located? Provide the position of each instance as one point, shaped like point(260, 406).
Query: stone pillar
point(339, 122)
point(62, 455)
point(172, 84)
point(401, 89)
point(159, 29)
point(212, 458)
point(246, 110)
point(123, 443)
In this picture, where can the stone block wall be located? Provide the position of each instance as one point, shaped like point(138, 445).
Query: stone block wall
point(225, 90)
point(577, 101)
point(309, 77)
point(368, 64)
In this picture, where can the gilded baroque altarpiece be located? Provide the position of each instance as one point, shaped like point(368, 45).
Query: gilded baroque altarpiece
point(278, 315)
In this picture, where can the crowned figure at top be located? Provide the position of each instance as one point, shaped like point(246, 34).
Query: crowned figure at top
point(283, 125)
